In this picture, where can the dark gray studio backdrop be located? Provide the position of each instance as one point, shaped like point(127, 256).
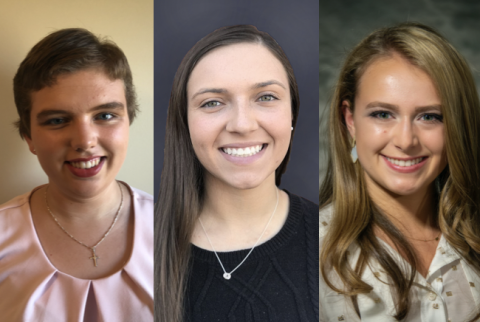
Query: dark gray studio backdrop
point(294, 25)
point(343, 23)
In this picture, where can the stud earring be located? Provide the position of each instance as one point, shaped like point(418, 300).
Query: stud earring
point(291, 129)
point(353, 153)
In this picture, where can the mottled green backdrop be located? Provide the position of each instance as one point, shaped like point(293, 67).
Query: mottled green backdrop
point(343, 23)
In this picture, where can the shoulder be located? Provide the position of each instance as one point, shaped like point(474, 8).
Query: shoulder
point(142, 195)
point(14, 219)
point(143, 205)
point(142, 201)
point(305, 211)
point(14, 208)
point(302, 205)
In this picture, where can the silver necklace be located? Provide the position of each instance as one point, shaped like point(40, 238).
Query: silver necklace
point(92, 248)
point(228, 275)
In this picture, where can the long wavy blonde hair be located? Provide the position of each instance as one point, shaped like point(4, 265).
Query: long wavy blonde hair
point(457, 187)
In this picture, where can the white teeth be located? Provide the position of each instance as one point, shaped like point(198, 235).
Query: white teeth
point(243, 152)
point(86, 164)
point(403, 163)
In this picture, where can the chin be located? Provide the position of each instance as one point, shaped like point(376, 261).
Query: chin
point(244, 185)
point(245, 182)
point(403, 189)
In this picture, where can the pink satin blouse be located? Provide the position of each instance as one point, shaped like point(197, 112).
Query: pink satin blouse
point(32, 289)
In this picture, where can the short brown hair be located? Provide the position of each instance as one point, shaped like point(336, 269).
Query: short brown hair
point(67, 51)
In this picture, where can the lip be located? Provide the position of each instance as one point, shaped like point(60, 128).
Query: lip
point(85, 173)
point(85, 159)
point(243, 160)
point(241, 145)
point(409, 169)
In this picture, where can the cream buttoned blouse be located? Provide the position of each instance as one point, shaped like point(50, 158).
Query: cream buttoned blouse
point(450, 292)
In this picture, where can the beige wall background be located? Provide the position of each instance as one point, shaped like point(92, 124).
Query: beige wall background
point(23, 23)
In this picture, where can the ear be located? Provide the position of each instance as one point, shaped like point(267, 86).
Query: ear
point(31, 147)
point(348, 116)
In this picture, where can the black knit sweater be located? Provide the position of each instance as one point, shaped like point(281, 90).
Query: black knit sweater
point(278, 282)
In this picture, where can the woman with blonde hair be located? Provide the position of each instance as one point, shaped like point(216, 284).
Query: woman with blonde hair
point(399, 221)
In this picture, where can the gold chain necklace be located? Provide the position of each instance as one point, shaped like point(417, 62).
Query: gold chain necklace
point(92, 248)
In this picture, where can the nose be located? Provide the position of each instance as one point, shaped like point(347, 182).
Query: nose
point(83, 135)
point(405, 135)
point(243, 117)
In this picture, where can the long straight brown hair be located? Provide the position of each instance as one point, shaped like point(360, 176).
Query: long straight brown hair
point(457, 187)
point(182, 186)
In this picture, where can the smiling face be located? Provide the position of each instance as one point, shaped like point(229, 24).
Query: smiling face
point(397, 124)
point(239, 114)
point(79, 131)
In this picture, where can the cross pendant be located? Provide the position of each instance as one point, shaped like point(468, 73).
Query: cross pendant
point(94, 257)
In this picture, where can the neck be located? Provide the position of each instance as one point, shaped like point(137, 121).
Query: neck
point(239, 207)
point(412, 214)
point(75, 208)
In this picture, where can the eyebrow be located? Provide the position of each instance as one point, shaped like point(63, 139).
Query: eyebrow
point(107, 106)
point(222, 90)
point(209, 90)
point(396, 108)
point(267, 83)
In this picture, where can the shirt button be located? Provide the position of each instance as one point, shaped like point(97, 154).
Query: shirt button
point(432, 296)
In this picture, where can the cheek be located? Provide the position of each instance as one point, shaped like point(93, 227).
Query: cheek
point(279, 127)
point(50, 143)
point(115, 138)
point(370, 137)
point(434, 142)
point(277, 121)
point(202, 132)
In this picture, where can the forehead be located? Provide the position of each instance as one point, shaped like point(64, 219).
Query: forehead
point(394, 80)
point(81, 89)
point(237, 64)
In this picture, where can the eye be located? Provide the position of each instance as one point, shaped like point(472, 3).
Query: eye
point(55, 121)
point(105, 116)
point(211, 104)
point(383, 115)
point(432, 117)
point(267, 98)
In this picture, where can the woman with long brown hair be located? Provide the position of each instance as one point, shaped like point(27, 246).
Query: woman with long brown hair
point(229, 244)
point(399, 221)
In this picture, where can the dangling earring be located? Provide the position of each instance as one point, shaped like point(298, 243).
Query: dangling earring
point(353, 153)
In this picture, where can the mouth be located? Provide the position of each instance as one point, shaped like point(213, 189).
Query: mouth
point(245, 151)
point(405, 163)
point(85, 168)
point(85, 164)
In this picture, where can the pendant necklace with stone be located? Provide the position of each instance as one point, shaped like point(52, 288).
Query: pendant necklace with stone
point(228, 275)
point(92, 248)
